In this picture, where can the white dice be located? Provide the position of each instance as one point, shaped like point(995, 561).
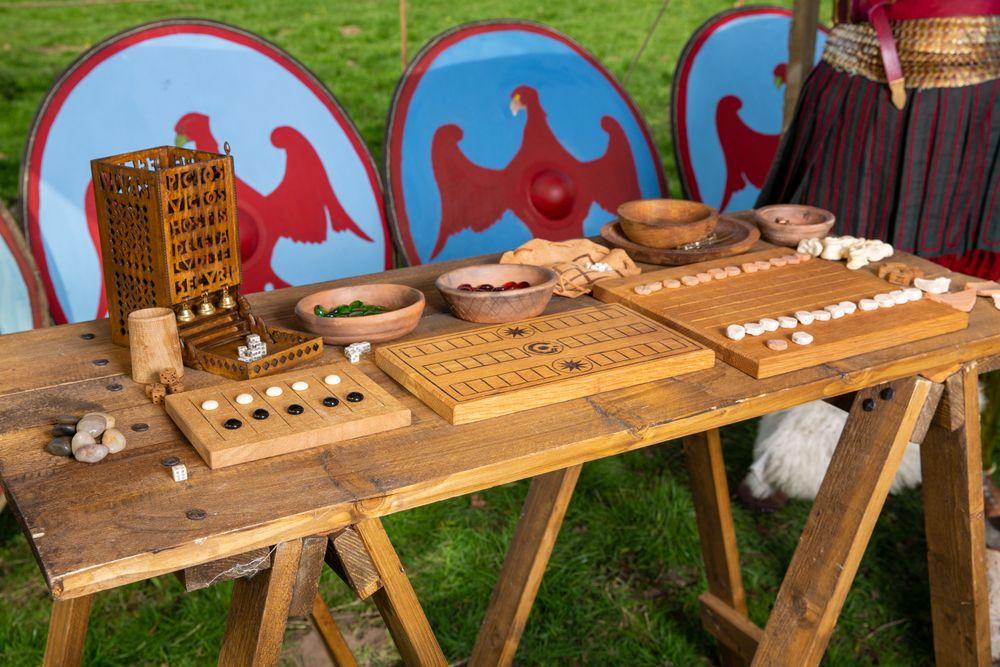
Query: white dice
point(180, 472)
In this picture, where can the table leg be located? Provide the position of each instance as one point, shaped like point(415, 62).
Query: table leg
point(710, 493)
point(340, 652)
point(521, 574)
point(397, 602)
point(255, 626)
point(956, 544)
point(841, 522)
point(67, 631)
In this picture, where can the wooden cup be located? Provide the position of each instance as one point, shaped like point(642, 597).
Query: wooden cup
point(153, 344)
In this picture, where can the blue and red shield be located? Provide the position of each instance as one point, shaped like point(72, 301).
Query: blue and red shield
point(727, 104)
point(22, 301)
point(309, 201)
point(504, 131)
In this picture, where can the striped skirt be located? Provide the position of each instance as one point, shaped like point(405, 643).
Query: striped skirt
point(926, 178)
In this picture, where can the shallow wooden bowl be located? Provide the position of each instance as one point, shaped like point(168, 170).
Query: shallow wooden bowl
point(405, 306)
point(802, 222)
point(666, 223)
point(497, 307)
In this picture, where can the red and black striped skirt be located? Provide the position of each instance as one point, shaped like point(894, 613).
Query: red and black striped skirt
point(925, 178)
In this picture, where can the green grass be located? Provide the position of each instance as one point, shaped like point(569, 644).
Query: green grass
point(624, 578)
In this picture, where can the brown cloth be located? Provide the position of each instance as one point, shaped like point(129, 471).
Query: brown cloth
point(570, 259)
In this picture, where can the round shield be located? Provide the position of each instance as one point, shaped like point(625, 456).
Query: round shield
point(504, 131)
point(22, 301)
point(308, 195)
point(727, 104)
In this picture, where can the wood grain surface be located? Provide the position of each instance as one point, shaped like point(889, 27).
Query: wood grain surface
point(68, 509)
point(500, 369)
point(704, 311)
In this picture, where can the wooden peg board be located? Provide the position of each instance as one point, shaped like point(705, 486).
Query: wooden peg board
point(283, 432)
point(704, 311)
point(506, 368)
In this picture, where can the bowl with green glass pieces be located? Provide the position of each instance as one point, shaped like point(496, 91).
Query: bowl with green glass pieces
point(373, 313)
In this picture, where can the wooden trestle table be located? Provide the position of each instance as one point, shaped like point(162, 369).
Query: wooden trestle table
point(93, 528)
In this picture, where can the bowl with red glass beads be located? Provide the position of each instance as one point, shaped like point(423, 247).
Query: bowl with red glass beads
point(495, 293)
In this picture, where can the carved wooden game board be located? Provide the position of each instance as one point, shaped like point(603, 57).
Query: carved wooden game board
point(283, 430)
point(505, 368)
point(704, 311)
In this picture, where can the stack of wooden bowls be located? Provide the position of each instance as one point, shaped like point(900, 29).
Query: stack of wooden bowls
point(666, 223)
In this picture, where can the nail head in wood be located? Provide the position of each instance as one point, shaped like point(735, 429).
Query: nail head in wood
point(195, 514)
point(868, 405)
point(887, 393)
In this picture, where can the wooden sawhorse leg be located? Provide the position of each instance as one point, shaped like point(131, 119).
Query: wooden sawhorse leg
point(67, 631)
point(953, 516)
point(842, 519)
point(724, 605)
point(363, 556)
point(523, 567)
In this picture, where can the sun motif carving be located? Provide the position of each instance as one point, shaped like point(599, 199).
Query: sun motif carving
point(515, 332)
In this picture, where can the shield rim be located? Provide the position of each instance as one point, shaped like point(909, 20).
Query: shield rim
point(404, 246)
point(682, 71)
point(83, 64)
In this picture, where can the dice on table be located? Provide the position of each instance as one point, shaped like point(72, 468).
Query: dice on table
point(180, 472)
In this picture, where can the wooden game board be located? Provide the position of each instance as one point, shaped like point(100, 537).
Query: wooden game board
point(704, 311)
point(505, 368)
point(283, 432)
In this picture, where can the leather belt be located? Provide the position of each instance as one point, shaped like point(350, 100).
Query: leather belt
point(880, 12)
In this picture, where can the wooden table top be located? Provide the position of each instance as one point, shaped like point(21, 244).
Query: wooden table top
point(124, 520)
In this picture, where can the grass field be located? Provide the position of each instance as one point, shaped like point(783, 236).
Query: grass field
point(623, 582)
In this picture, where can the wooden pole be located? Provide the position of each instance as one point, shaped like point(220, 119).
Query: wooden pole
point(801, 49)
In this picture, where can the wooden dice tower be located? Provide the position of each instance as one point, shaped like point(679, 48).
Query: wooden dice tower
point(169, 238)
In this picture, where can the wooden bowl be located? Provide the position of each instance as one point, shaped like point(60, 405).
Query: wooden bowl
point(803, 222)
point(497, 307)
point(405, 306)
point(666, 223)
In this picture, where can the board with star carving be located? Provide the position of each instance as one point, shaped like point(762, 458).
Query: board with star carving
point(505, 368)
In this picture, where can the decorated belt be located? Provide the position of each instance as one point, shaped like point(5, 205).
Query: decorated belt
point(927, 53)
point(879, 14)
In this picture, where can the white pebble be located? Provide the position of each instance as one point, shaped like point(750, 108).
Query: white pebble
point(244, 399)
point(802, 338)
point(274, 391)
point(804, 316)
point(822, 315)
point(735, 332)
point(769, 324)
point(885, 300)
point(179, 471)
point(913, 294)
point(788, 322)
point(299, 385)
point(849, 307)
point(671, 283)
point(868, 304)
point(898, 296)
point(933, 285)
point(332, 379)
point(754, 328)
point(836, 312)
point(210, 404)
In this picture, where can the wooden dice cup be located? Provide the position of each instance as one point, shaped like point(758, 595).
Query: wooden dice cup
point(405, 305)
point(154, 344)
point(497, 307)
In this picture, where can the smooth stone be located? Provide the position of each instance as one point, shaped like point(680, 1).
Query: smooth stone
point(61, 446)
point(92, 424)
point(114, 440)
point(244, 399)
point(868, 305)
point(769, 324)
point(777, 344)
point(704, 277)
point(804, 316)
point(300, 385)
point(109, 421)
point(822, 315)
point(82, 439)
point(754, 328)
point(787, 322)
point(332, 379)
point(210, 404)
point(849, 307)
point(733, 271)
point(802, 338)
point(671, 283)
point(690, 281)
point(91, 453)
point(274, 391)
point(67, 419)
point(63, 429)
point(735, 332)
